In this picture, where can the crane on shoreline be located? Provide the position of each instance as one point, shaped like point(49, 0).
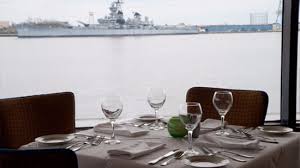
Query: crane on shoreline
point(279, 11)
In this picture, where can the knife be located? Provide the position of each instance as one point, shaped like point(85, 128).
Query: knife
point(152, 162)
point(262, 139)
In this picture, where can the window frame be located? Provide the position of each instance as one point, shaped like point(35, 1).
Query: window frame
point(290, 18)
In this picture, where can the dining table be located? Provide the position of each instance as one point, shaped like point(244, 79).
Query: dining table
point(283, 154)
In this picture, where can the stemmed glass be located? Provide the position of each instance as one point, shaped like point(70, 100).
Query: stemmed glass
point(112, 108)
point(190, 114)
point(222, 101)
point(156, 99)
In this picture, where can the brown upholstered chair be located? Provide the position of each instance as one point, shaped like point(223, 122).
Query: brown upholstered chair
point(23, 119)
point(249, 107)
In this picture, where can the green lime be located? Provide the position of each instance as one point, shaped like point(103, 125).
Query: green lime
point(176, 128)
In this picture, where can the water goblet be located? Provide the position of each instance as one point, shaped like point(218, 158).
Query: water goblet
point(156, 99)
point(222, 101)
point(112, 108)
point(190, 114)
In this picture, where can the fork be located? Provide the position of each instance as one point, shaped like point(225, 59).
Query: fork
point(97, 140)
point(80, 146)
point(210, 152)
point(73, 144)
point(260, 137)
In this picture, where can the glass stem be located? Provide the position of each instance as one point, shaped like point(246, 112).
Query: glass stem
point(113, 129)
point(190, 133)
point(156, 119)
point(222, 123)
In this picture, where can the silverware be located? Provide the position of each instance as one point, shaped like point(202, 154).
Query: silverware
point(73, 144)
point(139, 124)
point(235, 153)
point(240, 137)
point(259, 137)
point(97, 140)
point(177, 155)
point(80, 146)
point(262, 139)
point(152, 162)
point(210, 152)
point(244, 133)
point(140, 138)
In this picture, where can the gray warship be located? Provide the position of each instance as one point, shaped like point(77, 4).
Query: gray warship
point(112, 25)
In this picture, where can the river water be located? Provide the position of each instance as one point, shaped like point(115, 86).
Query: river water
point(91, 67)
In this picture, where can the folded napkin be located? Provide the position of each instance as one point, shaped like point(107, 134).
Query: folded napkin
point(122, 130)
point(137, 149)
point(209, 125)
point(213, 140)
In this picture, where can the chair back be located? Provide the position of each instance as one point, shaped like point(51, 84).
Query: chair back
point(44, 158)
point(23, 119)
point(249, 107)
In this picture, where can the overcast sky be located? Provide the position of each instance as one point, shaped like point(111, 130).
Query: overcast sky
point(198, 12)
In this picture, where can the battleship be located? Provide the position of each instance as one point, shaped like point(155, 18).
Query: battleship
point(112, 25)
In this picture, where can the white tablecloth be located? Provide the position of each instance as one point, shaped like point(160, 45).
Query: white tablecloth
point(286, 154)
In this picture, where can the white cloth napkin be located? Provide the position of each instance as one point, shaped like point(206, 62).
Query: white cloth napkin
point(122, 130)
point(209, 125)
point(135, 150)
point(213, 140)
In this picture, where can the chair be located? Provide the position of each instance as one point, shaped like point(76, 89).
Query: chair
point(23, 119)
point(43, 158)
point(249, 107)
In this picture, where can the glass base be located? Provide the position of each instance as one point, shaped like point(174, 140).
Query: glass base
point(191, 153)
point(222, 133)
point(112, 141)
point(157, 127)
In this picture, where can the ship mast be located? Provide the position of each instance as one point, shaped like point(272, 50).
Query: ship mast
point(118, 4)
point(115, 8)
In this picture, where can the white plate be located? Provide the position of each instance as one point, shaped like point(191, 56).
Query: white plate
point(206, 161)
point(280, 130)
point(147, 117)
point(55, 139)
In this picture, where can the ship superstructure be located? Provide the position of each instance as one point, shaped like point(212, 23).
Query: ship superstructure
point(113, 24)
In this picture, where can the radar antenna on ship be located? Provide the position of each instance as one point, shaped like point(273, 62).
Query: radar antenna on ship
point(119, 1)
point(118, 4)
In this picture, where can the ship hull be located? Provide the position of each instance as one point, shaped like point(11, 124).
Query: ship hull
point(90, 32)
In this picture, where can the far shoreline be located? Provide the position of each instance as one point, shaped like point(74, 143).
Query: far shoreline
point(8, 35)
point(16, 35)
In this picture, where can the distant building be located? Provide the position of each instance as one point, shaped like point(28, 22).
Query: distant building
point(4, 24)
point(277, 27)
point(237, 28)
point(258, 18)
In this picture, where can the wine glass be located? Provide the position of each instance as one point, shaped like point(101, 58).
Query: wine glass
point(222, 101)
point(156, 99)
point(112, 108)
point(190, 114)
